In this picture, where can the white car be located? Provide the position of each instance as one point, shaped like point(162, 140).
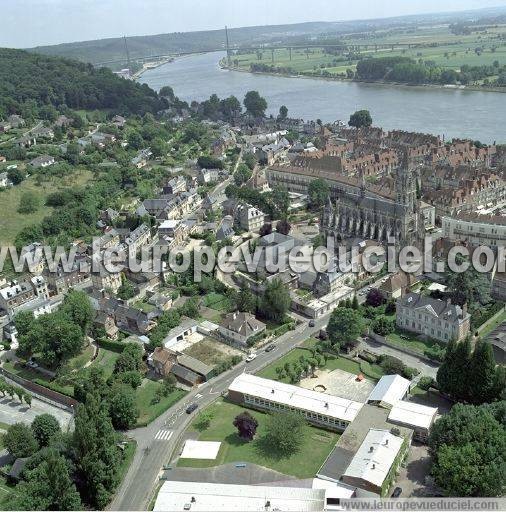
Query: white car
point(251, 357)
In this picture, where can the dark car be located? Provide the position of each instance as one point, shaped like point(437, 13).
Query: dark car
point(311, 323)
point(270, 348)
point(191, 408)
point(397, 492)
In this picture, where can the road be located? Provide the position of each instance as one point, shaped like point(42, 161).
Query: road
point(137, 488)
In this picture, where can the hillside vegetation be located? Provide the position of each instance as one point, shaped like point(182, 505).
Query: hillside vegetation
point(43, 81)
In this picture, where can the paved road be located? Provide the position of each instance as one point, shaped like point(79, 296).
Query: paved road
point(157, 441)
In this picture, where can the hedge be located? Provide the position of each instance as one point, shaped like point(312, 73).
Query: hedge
point(114, 346)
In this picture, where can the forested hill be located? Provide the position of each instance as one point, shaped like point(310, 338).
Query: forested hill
point(27, 77)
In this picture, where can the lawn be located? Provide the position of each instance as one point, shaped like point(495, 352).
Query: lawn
point(412, 342)
point(106, 359)
point(148, 411)
point(12, 222)
point(371, 371)
point(305, 463)
point(217, 301)
point(79, 361)
point(490, 325)
point(5, 491)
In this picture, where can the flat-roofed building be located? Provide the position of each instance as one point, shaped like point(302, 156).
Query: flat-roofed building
point(388, 391)
point(418, 417)
point(203, 496)
point(377, 459)
point(321, 409)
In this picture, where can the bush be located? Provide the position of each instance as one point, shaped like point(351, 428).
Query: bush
point(114, 346)
point(367, 356)
point(409, 372)
point(426, 382)
point(435, 352)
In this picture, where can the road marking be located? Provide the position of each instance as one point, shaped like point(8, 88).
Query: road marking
point(163, 435)
point(198, 395)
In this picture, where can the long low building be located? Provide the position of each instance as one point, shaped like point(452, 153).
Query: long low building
point(321, 409)
point(376, 461)
point(203, 496)
point(418, 417)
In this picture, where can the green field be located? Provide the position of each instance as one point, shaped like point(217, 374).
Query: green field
point(441, 46)
point(148, 410)
point(333, 363)
point(106, 359)
point(12, 222)
point(305, 463)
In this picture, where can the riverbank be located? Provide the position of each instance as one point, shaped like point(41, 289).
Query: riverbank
point(471, 88)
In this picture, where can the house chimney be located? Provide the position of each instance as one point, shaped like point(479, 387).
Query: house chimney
point(371, 449)
point(373, 466)
point(464, 310)
point(386, 442)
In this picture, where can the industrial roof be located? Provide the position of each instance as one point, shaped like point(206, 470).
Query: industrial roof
point(389, 390)
point(202, 496)
point(412, 414)
point(375, 457)
point(294, 396)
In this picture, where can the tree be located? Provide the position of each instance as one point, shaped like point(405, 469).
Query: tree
point(23, 322)
point(54, 336)
point(126, 290)
point(374, 298)
point(255, 104)
point(48, 487)
point(275, 301)
point(383, 325)
point(246, 301)
point(283, 227)
point(360, 118)
point(45, 427)
point(130, 359)
point(123, 409)
point(266, 229)
point(16, 176)
point(29, 202)
point(246, 425)
point(482, 376)
point(468, 447)
point(96, 453)
point(203, 421)
point(345, 324)
point(284, 433)
point(77, 307)
point(159, 147)
point(280, 202)
point(242, 175)
point(135, 140)
point(318, 193)
point(283, 112)
point(20, 441)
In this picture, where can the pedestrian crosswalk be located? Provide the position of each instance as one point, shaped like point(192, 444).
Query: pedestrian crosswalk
point(163, 435)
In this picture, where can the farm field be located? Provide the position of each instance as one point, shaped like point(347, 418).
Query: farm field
point(440, 46)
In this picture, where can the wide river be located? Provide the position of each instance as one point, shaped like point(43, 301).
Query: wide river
point(449, 112)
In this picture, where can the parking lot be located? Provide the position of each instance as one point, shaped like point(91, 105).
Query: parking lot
point(12, 411)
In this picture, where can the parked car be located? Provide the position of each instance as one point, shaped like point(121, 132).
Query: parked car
point(191, 408)
point(311, 323)
point(397, 492)
point(32, 364)
point(270, 348)
point(251, 357)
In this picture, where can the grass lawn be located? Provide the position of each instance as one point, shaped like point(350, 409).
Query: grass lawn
point(106, 359)
point(217, 301)
point(79, 361)
point(144, 306)
point(372, 371)
point(305, 463)
point(412, 341)
point(5, 491)
point(12, 222)
point(128, 455)
point(148, 411)
point(489, 327)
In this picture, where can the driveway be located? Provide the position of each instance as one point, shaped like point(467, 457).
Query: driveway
point(412, 477)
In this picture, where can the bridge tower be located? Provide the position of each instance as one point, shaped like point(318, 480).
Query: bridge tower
point(127, 54)
point(227, 44)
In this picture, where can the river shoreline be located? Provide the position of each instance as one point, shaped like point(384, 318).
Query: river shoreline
point(465, 88)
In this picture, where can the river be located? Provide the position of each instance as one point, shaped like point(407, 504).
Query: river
point(453, 113)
